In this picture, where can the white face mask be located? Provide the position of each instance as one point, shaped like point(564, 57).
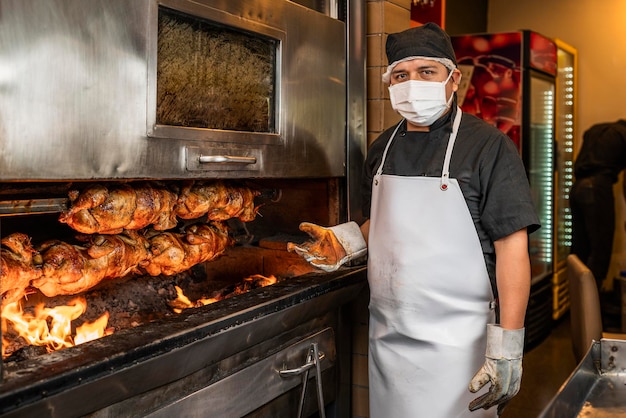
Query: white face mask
point(420, 102)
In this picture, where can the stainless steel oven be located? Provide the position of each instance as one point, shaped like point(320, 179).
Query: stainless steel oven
point(171, 89)
point(121, 95)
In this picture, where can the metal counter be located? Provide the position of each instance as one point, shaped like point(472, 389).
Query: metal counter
point(597, 388)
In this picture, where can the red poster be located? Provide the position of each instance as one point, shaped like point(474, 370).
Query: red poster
point(491, 85)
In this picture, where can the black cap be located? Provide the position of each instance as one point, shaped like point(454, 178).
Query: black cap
point(428, 40)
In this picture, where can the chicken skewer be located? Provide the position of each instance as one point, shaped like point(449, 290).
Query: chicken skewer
point(110, 210)
point(216, 200)
point(173, 253)
point(69, 269)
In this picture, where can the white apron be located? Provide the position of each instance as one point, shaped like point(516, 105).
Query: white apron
point(430, 296)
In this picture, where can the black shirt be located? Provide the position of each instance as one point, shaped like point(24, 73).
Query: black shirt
point(484, 161)
point(603, 152)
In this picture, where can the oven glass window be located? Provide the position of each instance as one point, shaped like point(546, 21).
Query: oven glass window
point(214, 76)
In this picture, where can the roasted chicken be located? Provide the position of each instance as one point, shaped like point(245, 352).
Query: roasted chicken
point(110, 216)
point(17, 268)
point(109, 210)
point(173, 253)
point(217, 200)
point(69, 269)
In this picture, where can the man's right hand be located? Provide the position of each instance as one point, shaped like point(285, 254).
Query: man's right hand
point(331, 247)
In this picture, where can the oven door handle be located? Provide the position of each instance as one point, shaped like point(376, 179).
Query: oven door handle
point(226, 159)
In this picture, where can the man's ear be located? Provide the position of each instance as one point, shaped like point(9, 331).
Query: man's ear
point(456, 79)
point(456, 76)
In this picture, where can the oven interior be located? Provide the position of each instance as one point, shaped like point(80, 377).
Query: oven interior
point(252, 325)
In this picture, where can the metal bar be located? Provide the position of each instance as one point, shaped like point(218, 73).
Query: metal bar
point(1, 340)
point(310, 363)
point(333, 5)
point(19, 207)
point(318, 369)
point(227, 159)
point(305, 381)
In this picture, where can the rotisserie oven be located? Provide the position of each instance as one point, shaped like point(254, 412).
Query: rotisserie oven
point(157, 156)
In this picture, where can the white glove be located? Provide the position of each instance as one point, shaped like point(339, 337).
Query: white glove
point(331, 247)
point(503, 368)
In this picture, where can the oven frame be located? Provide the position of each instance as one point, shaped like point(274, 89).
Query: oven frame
point(119, 368)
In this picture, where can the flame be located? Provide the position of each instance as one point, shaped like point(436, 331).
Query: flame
point(93, 330)
point(51, 327)
point(182, 302)
point(205, 301)
point(262, 281)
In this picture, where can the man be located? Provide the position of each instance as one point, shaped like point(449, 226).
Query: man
point(600, 160)
point(449, 211)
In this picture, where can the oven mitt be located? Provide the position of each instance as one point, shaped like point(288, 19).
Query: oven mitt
point(331, 247)
point(503, 368)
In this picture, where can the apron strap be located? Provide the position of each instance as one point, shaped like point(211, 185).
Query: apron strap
point(382, 160)
point(445, 172)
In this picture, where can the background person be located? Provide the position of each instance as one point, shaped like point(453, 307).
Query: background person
point(601, 158)
point(449, 209)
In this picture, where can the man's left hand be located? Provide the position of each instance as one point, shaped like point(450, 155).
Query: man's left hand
point(502, 368)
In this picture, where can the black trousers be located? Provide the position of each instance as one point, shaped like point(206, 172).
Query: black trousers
point(593, 223)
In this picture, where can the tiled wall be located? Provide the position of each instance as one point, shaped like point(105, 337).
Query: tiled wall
point(383, 17)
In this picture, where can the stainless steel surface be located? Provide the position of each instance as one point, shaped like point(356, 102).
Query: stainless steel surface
point(259, 382)
point(357, 109)
point(597, 388)
point(77, 91)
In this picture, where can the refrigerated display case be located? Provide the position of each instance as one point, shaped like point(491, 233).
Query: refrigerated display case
point(539, 156)
point(509, 81)
point(567, 57)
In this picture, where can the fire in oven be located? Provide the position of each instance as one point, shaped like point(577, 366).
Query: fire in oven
point(161, 298)
point(121, 230)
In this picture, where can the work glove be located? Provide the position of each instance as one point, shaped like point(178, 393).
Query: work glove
point(503, 368)
point(331, 247)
